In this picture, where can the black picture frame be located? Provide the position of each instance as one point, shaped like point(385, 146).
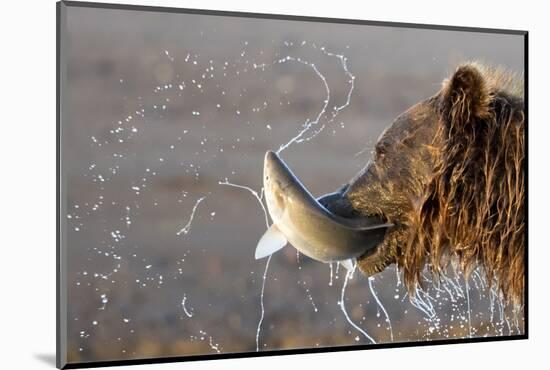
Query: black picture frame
point(61, 262)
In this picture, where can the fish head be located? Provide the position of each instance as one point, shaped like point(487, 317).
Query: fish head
point(278, 181)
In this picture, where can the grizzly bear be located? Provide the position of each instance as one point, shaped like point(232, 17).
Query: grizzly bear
point(449, 173)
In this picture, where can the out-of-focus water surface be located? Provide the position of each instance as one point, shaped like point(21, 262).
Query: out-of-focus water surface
point(162, 108)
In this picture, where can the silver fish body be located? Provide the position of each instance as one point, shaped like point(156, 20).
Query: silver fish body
point(310, 227)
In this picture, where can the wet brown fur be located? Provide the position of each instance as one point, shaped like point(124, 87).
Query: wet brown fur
point(450, 174)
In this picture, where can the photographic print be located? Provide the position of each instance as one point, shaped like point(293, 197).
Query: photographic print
point(237, 184)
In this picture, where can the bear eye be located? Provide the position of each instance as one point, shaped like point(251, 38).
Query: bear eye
point(380, 150)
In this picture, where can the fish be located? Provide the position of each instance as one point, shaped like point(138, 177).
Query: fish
point(301, 220)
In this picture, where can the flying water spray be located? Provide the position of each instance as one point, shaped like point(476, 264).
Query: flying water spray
point(117, 253)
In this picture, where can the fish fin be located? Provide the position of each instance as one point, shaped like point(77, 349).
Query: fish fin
point(270, 242)
point(348, 264)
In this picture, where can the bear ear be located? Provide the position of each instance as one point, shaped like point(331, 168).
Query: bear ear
point(465, 95)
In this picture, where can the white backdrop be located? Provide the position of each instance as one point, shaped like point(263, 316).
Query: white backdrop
point(27, 266)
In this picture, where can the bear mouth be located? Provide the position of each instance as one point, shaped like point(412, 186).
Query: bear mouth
point(378, 256)
point(382, 254)
point(375, 260)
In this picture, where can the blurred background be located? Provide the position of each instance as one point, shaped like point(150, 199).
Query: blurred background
point(165, 111)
